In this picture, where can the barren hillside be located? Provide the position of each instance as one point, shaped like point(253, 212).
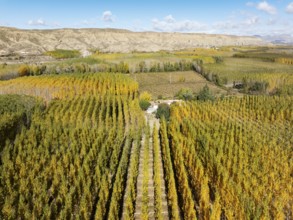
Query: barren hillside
point(34, 42)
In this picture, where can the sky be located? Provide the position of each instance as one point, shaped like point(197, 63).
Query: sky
point(237, 17)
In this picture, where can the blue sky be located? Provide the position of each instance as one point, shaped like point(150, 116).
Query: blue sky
point(248, 17)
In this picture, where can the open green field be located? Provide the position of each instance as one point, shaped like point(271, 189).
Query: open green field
point(168, 84)
point(237, 68)
point(161, 56)
point(272, 65)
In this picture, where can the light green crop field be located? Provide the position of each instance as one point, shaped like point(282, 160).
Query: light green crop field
point(237, 68)
point(167, 85)
point(161, 56)
point(256, 64)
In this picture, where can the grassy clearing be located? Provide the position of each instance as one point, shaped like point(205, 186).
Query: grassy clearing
point(134, 58)
point(262, 64)
point(168, 84)
point(237, 68)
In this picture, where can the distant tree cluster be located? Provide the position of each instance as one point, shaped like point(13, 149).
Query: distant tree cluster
point(252, 86)
point(211, 77)
point(204, 95)
point(182, 65)
point(31, 70)
point(94, 67)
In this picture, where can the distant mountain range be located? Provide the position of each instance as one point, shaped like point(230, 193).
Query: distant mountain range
point(284, 39)
point(35, 42)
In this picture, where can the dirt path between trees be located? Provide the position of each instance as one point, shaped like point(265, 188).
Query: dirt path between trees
point(141, 201)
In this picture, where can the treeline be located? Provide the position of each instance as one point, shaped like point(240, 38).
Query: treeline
point(181, 65)
point(252, 86)
point(121, 67)
point(214, 78)
point(204, 94)
point(211, 77)
point(268, 57)
point(95, 66)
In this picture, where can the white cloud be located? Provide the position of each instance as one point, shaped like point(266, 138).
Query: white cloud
point(272, 21)
point(225, 25)
point(266, 7)
point(169, 24)
point(108, 16)
point(251, 21)
point(289, 8)
point(169, 19)
point(39, 22)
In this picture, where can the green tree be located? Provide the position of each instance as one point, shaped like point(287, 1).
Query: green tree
point(144, 100)
point(205, 94)
point(163, 110)
point(144, 104)
point(185, 94)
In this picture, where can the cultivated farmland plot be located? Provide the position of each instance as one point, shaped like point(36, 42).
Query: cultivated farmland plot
point(78, 146)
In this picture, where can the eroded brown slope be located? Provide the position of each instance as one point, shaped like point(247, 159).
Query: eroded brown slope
point(28, 42)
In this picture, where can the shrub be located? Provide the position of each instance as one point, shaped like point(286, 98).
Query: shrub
point(163, 110)
point(145, 96)
point(260, 87)
point(205, 94)
point(185, 94)
point(218, 59)
point(142, 67)
point(23, 70)
point(144, 104)
point(181, 79)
